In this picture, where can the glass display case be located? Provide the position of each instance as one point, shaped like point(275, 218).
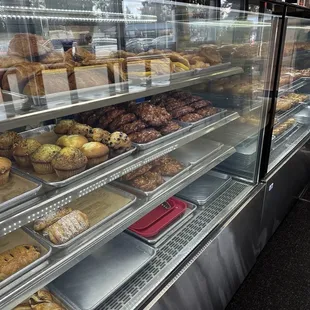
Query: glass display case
point(132, 129)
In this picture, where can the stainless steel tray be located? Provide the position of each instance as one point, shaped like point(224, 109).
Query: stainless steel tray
point(22, 197)
point(95, 278)
point(205, 189)
point(168, 181)
point(207, 120)
point(171, 229)
point(143, 146)
point(39, 236)
point(303, 116)
point(280, 117)
point(19, 237)
point(52, 179)
point(277, 141)
point(12, 102)
point(196, 151)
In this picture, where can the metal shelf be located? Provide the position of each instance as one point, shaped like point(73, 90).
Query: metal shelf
point(134, 92)
point(63, 260)
point(25, 213)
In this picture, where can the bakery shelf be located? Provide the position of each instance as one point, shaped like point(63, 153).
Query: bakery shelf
point(281, 117)
point(134, 92)
point(23, 214)
point(61, 261)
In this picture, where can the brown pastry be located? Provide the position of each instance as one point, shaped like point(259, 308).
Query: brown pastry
point(156, 99)
point(109, 117)
point(208, 111)
point(23, 306)
point(200, 104)
point(169, 128)
point(95, 152)
point(17, 258)
point(50, 218)
point(79, 129)
point(22, 151)
point(132, 127)
point(99, 135)
point(181, 95)
point(62, 128)
point(145, 135)
point(52, 58)
point(8, 62)
point(122, 120)
point(190, 118)
point(47, 306)
point(182, 111)
point(148, 181)
point(179, 67)
point(67, 227)
point(173, 104)
point(69, 162)
point(176, 57)
point(41, 296)
point(7, 141)
point(210, 53)
point(28, 45)
point(5, 168)
point(153, 115)
point(169, 168)
point(77, 54)
point(121, 54)
point(76, 141)
point(140, 171)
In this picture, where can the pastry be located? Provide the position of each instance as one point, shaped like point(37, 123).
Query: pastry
point(22, 151)
point(132, 127)
point(156, 99)
point(99, 135)
point(208, 111)
point(168, 167)
point(95, 152)
point(145, 135)
point(7, 141)
point(47, 306)
point(5, 168)
point(140, 171)
point(181, 95)
point(190, 118)
point(121, 54)
point(173, 104)
point(148, 181)
point(119, 142)
point(23, 306)
point(176, 57)
point(76, 141)
point(79, 129)
point(109, 117)
point(50, 218)
point(8, 62)
point(41, 296)
point(17, 258)
point(75, 55)
point(52, 58)
point(67, 227)
point(41, 159)
point(169, 128)
point(62, 128)
point(182, 111)
point(179, 67)
point(210, 54)
point(122, 120)
point(69, 162)
point(29, 45)
point(153, 115)
point(200, 104)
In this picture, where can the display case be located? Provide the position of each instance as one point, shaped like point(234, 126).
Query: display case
point(140, 127)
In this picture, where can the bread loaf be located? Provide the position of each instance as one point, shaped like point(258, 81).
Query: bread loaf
point(17, 258)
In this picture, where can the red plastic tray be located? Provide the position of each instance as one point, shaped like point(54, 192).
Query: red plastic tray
point(151, 224)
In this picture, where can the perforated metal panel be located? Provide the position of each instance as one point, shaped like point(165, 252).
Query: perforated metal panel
point(170, 249)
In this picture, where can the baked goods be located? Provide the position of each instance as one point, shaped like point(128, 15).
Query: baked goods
point(200, 104)
point(145, 135)
point(281, 128)
point(8, 62)
point(173, 104)
point(17, 258)
point(76, 141)
point(109, 117)
point(168, 166)
point(69, 162)
point(207, 111)
point(98, 135)
point(148, 181)
point(79, 129)
point(119, 143)
point(140, 171)
point(172, 126)
point(52, 58)
point(179, 67)
point(50, 218)
point(29, 45)
point(23, 306)
point(75, 55)
point(63, 126)
point(7, 140)
point(210, 53)
point(95, 152)
point(132, 127)
point(122, 120)
point(41, 159)
point(182, 111)
point(22, 151)
point(191, 118)
point(67, 227)
point(153, 115)
point(5, 168)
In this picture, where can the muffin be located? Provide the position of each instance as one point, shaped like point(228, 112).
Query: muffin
point(119, 142)
point(7, 140)
point(73, 141)
point(22, 151)
point(95, 152)
point(99, 135)
point(69, 162)
point(63, 126)
point(5, 168)
point(41, 159)
point(79, 129)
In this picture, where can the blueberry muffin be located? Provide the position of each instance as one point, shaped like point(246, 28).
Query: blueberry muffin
point(119, 143)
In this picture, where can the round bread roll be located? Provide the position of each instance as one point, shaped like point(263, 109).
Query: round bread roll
point(95, 152)
point(5, 168)
point(76, 141)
